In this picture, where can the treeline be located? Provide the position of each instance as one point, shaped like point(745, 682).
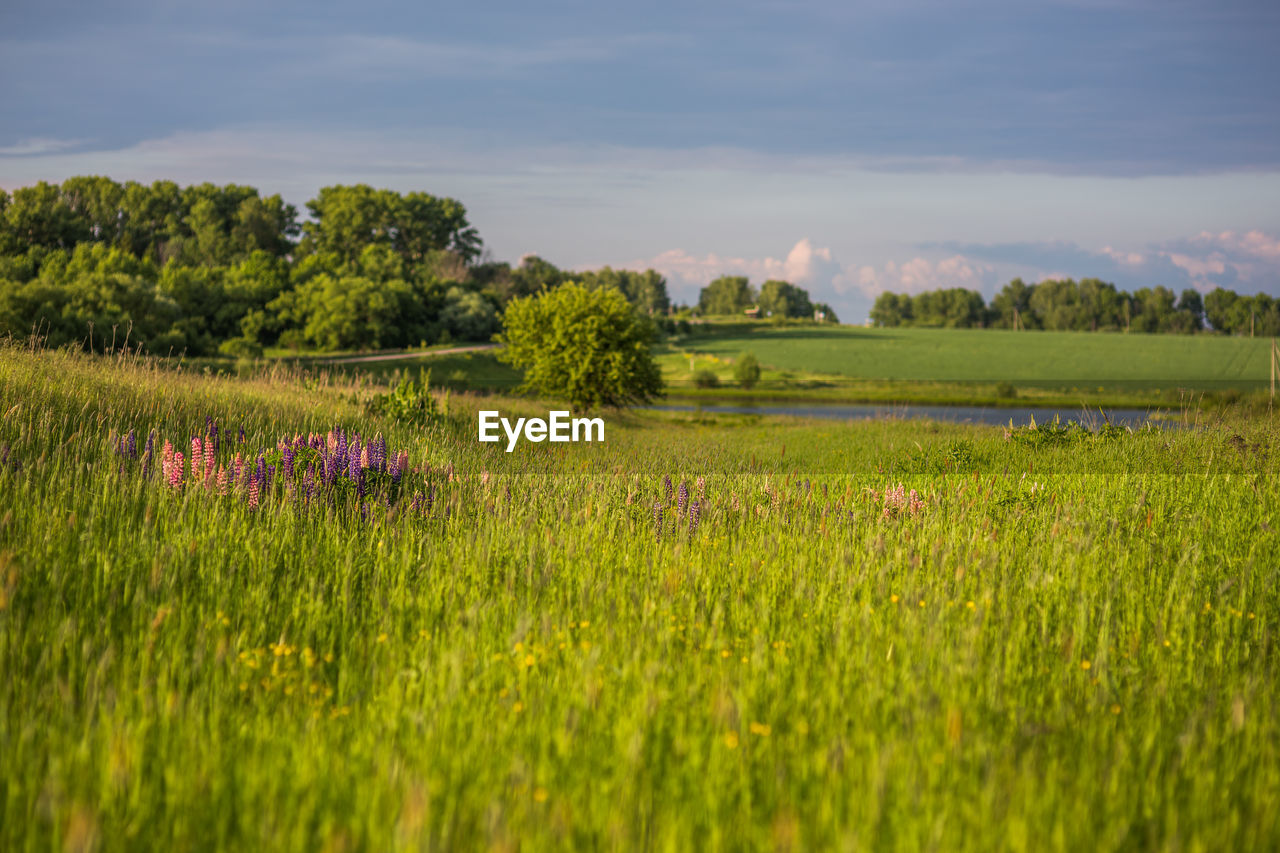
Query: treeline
point(221, 269)
point(730, 294)
point(1086, 305)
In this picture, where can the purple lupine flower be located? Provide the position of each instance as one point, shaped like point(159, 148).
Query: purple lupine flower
point(657, 519)
point(148, 453)
point(695, 513)
point(682, 498)
point(340, 447)
point(131, 445)
point(353, 459)
point(286, 462)
point(212, 426)
point(666, 488)
point(241, 435)
point(378, 453)
point(258, 481)
point(309, 483)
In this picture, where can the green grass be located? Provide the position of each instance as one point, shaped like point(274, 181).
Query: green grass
point(1069, 647)
point(965, 365)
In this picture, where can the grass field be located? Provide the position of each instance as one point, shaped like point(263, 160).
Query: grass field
point(1060, 641)
point(1046, 361)
point(959, 366)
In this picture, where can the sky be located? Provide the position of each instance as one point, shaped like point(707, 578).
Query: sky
point(852, 148)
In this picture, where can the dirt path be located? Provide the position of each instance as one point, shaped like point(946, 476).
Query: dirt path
point(401, 356)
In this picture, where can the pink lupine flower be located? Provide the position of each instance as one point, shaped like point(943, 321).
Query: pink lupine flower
point(209, 461)
point(175, 471)
point(166, 459)
point(914, 503)
point(197, 459)
point(237, 469)
point(222, 480)
point(253, 493)
point(364, 456)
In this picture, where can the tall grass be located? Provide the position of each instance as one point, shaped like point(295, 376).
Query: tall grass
point(1067, 646)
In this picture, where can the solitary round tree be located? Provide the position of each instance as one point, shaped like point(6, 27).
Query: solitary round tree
point(589, 347)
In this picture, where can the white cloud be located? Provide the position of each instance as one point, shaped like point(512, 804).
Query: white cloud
point(37, 146)
point(818, 270)
point(916, 276)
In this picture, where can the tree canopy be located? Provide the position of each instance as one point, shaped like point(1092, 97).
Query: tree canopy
point(1088, 305)
point(587, 346)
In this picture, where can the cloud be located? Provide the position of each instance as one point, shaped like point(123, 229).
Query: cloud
point(918, 275)
point(850, 287)
point(804, 264)
point(37, 146)
point(1248, 261)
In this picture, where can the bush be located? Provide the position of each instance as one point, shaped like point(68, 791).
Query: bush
point(706, 378)
point(1006, 391)
point(589, 347)
point(747, 370)
point(408, 401)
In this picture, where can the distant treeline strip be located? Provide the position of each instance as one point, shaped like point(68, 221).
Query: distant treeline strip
point(1086, 305)
point(207, 269)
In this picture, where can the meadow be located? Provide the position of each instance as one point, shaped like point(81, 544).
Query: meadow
point(1094, 363)
point(340, 632)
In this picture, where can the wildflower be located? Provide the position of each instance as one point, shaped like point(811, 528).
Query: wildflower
point(175, 470)
point(241, 435)
point(700, 485)
point(222, 480)
point(761, 729)
point(695, 512)
point(682, 498)
point(131, 445)
point(657, 519)
point(166, 460)
point(286, 462)
point(1084, 664)
point(148, 453)
point(666, 488)
point(731, 740)
point(197, 459)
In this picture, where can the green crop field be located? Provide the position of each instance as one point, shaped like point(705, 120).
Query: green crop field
point(1044, 359)
point(875, 635)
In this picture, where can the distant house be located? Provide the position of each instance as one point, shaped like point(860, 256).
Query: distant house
point(819, 316)
point(752, 312)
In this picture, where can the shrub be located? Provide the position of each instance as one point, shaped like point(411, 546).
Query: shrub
point(747, 370)
point(589, 347)
point(706, 378)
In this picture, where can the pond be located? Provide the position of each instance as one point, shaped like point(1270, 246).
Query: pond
point(1021, 415)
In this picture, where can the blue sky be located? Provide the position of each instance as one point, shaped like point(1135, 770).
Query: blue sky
point(850, 147)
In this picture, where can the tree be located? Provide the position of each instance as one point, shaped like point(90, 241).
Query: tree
point(589, 347)
point(747, 370)
point(346, 219)
point(783, 299)
point(728, 294)
point(1012, 305)
point(647, 290)
point(892, 309)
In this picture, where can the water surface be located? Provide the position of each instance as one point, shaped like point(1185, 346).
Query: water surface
point(1021, 415)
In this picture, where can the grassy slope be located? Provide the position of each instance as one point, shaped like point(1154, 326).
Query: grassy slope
point(1070, 359)
point(924, 365)
point(1069, 647)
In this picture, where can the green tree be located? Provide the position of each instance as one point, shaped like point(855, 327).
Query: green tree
point(346, 219)
point(647, 290)
point(747, 370)
point(587, 346)
point(1013, 305)
point(892, 309)
point(728, 294)
point(783, 299)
